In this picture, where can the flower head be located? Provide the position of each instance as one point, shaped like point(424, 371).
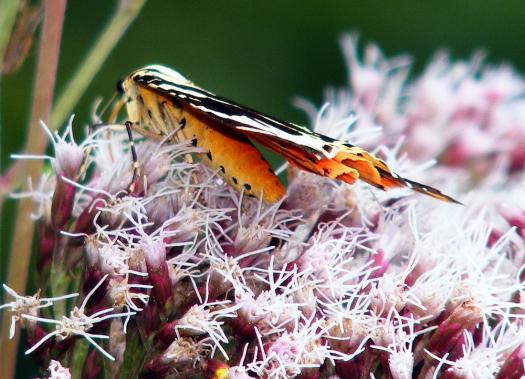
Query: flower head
point(196, 280)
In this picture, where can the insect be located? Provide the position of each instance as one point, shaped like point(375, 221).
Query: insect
point(161, 102)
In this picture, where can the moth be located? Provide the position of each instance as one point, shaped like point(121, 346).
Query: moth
point(161, 102)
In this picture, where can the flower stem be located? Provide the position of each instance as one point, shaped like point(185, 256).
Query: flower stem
point(44, 84)
point(7, 20)
point(126, 12)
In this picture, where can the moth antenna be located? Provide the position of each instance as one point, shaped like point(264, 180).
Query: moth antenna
point(106, 106)
point(115, 110)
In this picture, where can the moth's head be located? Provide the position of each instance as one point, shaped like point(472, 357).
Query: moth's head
point(120, 87)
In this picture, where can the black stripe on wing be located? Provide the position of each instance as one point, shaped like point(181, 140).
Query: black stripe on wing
point(225, 111)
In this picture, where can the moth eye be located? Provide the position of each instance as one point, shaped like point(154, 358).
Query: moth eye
point(120, 86)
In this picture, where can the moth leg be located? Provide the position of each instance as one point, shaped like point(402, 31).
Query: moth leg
point(173, 116)
point(134, 156)
point(143, 132)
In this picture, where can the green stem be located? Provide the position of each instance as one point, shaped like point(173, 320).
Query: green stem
point(7, 20)
point(125, 14)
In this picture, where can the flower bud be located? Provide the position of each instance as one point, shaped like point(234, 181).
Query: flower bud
point(92, 366)
point(513, 367)
point(446, 337)
point(62, 204)
point(158, 273)
point(84, 222)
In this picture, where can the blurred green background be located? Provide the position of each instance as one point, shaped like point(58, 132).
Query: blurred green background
point(259, 53)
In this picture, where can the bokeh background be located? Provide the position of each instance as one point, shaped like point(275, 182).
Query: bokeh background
point(260, 53)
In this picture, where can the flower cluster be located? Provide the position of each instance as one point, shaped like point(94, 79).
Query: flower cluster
point(184, 277)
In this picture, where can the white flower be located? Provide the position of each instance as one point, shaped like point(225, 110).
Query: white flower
point(483, 359)
point(259, 223)
point(78, 324)
point(396, 336)
point(27, 305)
point(57, 371)
point(203, 320)
point(289, 353)
point(186, 350)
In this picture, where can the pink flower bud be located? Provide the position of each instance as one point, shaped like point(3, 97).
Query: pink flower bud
point(158, 272)
point(348, 335)
point(515, 217)
point(35, 333)
point(186, 225)
point(513, 366)
point(84, 222)
point(68, 159)
point(155, 368)
point(446, 337)
point(91, 279)
point(379, 264)
point(46, 244)
point(167, 333)
point(150, 320)
point(62, 205)
point(355, 368)
point(92, 366)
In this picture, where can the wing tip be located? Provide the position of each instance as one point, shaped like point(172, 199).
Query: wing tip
point(431, 191)
point(376, 172)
